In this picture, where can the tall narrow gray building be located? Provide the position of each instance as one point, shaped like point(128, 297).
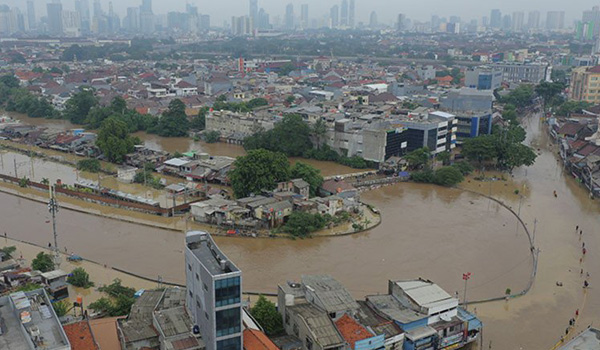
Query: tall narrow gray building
point(55, 19)
point(214, 298)
point(31, 14)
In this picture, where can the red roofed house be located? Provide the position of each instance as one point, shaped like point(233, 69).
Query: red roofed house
point(444, 81)
point(80, 336)
point(257, 340)
point(357, 336)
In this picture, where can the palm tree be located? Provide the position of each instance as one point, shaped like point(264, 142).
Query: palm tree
point(319, 130)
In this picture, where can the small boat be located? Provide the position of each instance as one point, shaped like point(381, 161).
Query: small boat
point(74, 258)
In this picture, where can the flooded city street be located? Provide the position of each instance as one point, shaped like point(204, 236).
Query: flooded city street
point(427, 231)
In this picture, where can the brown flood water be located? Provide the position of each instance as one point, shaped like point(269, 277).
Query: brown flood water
point(184, 144)
point(427, 231)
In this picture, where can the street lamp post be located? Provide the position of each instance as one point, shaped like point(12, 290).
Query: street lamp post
point(466, 277)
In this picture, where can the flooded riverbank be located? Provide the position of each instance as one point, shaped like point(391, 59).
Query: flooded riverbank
point(185, 144)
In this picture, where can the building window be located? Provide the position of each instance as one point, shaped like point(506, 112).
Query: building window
point(296, 330)
point(205, 287)
point(206, 314)
point(189, 267)
point(198, 304)
point(197, 277)
point(230, 344)
point(228, 322)
point(227, 291)
point(287, 318)
point(191, 294)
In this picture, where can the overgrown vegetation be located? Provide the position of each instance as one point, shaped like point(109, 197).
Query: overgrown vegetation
point(89, 165)
point(43, 262)
point(265, 313)
point(119, 300)
point(80, 278)
point(302, 224)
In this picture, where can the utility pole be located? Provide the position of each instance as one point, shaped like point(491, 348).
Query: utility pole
point(534, 228)
point(53, 208)
point(519, 213)
point(15, 164)
point(466, 277)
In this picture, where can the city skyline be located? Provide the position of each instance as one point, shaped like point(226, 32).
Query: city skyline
point(387, 13)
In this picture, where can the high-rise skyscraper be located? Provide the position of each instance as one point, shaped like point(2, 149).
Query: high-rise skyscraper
point(55, 18)
point(533, 20)
point(401, 22)
point(31, 14)
point(334, 17)
point(304, 16)
point(344, 14)
point(555, 20)
point(496, 19)
point(214, 292)
point(351, 13)
point(98, 9)
point(289, 16)
point(263, 19)
point(373, 20)
point(132, 21)
point(592, 16)
point(253, 13)
point(146, 17)
point(518, 19)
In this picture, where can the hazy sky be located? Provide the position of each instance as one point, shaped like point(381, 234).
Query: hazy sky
point(387, 10)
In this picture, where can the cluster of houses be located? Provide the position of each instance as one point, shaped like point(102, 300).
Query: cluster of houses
point(320, 313)
point(578, 137)
point(272, 208)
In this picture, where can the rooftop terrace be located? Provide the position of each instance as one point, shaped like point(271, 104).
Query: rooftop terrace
point(208, 254)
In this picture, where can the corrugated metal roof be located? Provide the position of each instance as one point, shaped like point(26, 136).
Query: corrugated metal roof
point(319, 324)
point(331, 293)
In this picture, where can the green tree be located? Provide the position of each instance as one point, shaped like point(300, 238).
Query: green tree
point(520, 97)
point(43, 262)
point(79, 105)
point(8, 251)
point(118, 105)
point(309, 174)
point(114, 140)
point(418, 158)
point(443, 157)
point(174, 121)
point(319, 129)
point(290, 99)
point(258, 170)
point(547, 91)
point(480, 149)
point(302, 224)
point(80, 278)
point(448, 176)
point(91, 165)
point(199, 121)
point(61, 308)
point(9, 81)
point(103, 306)
point(464, 167)
point(211, 136)
point(518, 155)
point(265, 313)
point(116, 288)
point(290, 136)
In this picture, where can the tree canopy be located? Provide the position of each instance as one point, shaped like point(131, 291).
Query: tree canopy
point(79, 105)
point(290, 136)
point(114, 140)
point(309, 174)
point(258, 170)
point(504, 148)
point(520, 97)
point(173, 122)
point(265, 313)
point(43, 262)
point(80, 278)
point(418, 158)
point(302, 224)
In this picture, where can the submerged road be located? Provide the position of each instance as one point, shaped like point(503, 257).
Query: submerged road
point(427, 231)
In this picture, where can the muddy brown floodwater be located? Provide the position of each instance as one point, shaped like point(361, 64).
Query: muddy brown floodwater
point(184, 144)
point(427, 231)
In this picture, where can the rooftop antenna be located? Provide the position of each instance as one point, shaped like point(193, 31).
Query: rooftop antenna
point(53, 209)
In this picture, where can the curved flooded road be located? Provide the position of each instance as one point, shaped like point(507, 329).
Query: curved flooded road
point(427, 231)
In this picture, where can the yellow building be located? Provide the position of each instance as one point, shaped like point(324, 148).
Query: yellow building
point(585, 84)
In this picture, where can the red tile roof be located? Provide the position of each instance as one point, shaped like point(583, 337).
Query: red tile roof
point(257, 340)
point(105, 330)
point(570, 129)
point(80, 336)
point(351, 330)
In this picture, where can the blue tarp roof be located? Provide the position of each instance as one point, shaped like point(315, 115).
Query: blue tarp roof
point(474, 322)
